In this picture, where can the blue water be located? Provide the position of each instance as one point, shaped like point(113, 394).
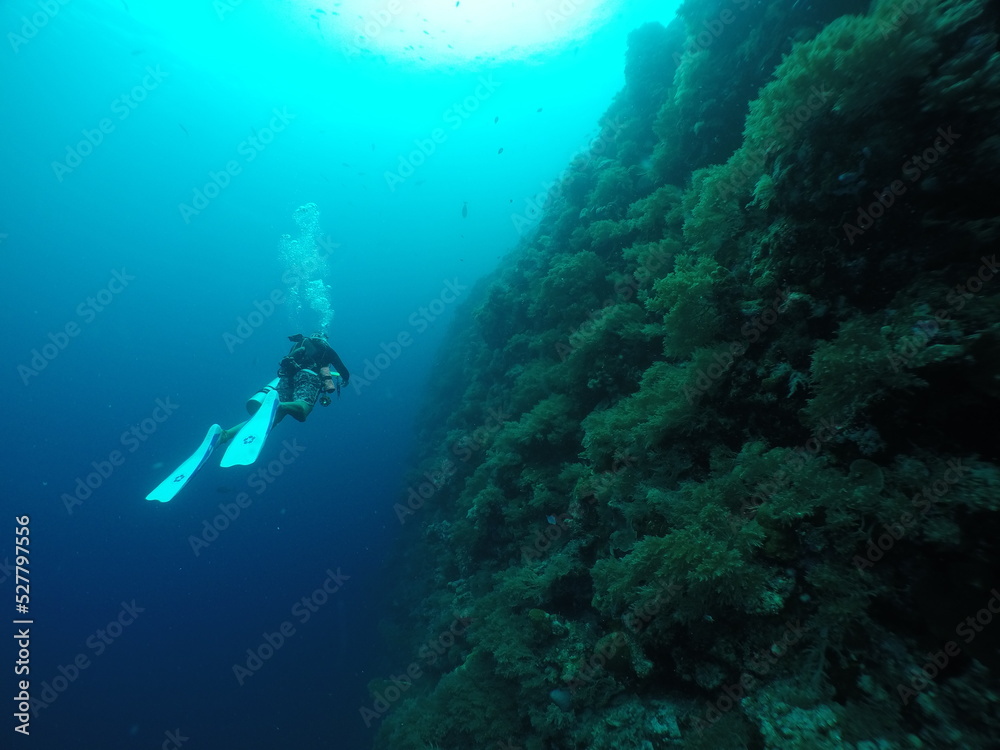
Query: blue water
point(121, 307)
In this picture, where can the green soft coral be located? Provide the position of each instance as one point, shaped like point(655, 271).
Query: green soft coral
point(552, 422)
point(711, 572)
point(848, 66)
point(854, 370)
point(639, 424)
point(573, 287)
point(687, 299)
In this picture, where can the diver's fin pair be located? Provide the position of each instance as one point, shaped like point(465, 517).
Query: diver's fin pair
point(243, 450)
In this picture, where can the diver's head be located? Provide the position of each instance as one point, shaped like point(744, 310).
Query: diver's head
point(320, 335)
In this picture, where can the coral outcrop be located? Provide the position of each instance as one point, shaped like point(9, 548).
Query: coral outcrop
point(717, 446)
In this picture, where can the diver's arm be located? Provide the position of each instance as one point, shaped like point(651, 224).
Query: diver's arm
point(338, 365)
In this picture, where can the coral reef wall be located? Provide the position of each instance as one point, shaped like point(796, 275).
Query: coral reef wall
point(712, 461)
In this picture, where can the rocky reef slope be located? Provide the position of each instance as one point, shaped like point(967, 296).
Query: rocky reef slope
point(713, 459)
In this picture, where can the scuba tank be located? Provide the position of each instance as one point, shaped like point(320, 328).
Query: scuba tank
point(329, 385)
point(258, 398)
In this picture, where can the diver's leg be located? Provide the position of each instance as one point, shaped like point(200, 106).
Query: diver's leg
point(306, 391)
point(229, 434)
point(286, 392)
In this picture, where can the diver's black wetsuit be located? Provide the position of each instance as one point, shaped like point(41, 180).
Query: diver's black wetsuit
point(300, 377)
point(314, 353)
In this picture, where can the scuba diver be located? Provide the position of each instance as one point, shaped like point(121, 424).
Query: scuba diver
point(303, 374)
point(310, 372)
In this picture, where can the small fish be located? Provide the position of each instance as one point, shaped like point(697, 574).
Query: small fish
point(465, 210)
point(373, 147)
point(550, 519)
point(500, 151)
point(496, 119)
point(184, 129)
point(539, 109)
point(457, 2)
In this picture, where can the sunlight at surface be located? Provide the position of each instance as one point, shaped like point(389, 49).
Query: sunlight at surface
point(450, 31)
